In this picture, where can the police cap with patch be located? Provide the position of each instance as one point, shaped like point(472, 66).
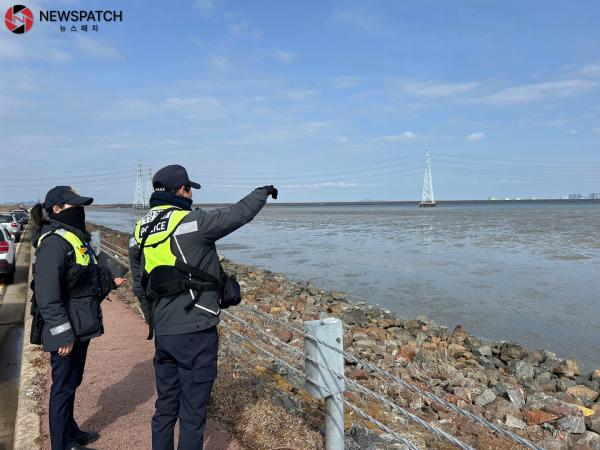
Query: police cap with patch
point(170, 177)
point(59, 195)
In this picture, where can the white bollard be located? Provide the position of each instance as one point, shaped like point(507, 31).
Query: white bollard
point(329, 331)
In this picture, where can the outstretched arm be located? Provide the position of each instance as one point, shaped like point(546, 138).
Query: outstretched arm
point(220, 222)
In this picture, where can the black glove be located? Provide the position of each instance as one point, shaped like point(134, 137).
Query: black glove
point(271, 190)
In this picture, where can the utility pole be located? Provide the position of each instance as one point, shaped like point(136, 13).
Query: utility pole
point(427, 199)
point(139, 199)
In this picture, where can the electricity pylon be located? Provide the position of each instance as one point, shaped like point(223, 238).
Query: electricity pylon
point(139, 198)
point(427, 197)
point(149, 188)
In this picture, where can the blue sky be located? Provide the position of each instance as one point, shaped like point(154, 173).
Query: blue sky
point(328, 100)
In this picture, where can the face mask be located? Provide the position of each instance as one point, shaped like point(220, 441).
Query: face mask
point(73, 216)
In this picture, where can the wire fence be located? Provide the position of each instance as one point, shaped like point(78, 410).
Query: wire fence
point(292, 358)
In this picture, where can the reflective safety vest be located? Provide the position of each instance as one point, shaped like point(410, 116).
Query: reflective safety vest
point(83, 256)
point(164, 273)
point(157, 248)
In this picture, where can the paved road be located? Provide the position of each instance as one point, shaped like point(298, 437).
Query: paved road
point(12, 307)
point(118, 392)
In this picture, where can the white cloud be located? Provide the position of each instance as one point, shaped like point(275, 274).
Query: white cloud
point(474, 137)
point(244, 29)
point(284, 56)
point(536, 92)
point(189, 107)
point(204, 6)
point(195, 107)
point(432, 89)
point(342, 140)
point(596, 130)
point(301, 94)
point(50, 50)
point(345, 82)
point(363, 21)
point(591, 70)
point(572, 132)
point(407, 136)
point(219, 62)
point(94, 48)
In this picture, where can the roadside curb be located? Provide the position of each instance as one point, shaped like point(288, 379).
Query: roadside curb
point(28, 430)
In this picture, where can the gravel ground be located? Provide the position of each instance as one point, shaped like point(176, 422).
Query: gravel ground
point(117, 395)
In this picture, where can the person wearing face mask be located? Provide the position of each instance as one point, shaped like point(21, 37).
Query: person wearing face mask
point(68, 285)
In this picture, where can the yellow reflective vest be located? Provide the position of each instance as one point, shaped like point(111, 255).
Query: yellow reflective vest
point(82, 256)
point(157, 248)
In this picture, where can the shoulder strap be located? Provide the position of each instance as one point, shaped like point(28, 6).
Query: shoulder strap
point(153, 223)
point(44, 236)
point(200, 274)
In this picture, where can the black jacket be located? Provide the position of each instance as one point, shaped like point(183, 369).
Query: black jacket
point(67, 295)
point(196, 236)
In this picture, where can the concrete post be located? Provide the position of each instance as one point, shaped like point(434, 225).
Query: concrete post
point(95, 240)
point(329, 331)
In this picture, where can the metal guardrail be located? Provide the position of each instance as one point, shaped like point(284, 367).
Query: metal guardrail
point(120, 253)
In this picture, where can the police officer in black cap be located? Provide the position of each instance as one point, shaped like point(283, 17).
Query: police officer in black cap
point(178, 279)
point(68, 287)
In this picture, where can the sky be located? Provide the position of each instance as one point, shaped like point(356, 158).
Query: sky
point(328, 100)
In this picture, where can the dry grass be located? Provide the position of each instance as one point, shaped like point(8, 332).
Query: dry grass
point(243, 401)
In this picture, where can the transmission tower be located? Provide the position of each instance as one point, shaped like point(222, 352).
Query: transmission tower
point(139, 199)
point(427, 197)
point(149, 188)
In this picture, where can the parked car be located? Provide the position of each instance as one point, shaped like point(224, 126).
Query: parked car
point(7, 255)
point(11, 223)
point(21, 215)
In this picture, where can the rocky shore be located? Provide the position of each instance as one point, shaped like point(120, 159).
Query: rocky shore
point(531, 392)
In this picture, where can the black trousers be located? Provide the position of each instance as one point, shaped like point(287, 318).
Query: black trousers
point(186, 367)
point(67, 373)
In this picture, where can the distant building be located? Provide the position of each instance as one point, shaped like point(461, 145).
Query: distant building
point(595, 196)
point(575, 196)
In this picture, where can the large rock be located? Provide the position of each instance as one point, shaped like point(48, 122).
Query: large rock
point(538, 400)
point(572, 424)
point(269, 287)
point(368, 440)
point(589, 439)
point(594, 423)
point(564, 383)
point(484, 350)
point(407, 352)
point(583, 392)
point(512, 350)
point(538, 417)
point(355, 317)
point(456, 350)
point(501, 408)
point(516, 397)
point(425, 356)
point(568, 368)
point(595, 375)
point(561, 409)
point(486, 397)
point(515, 422)
point(522, 369)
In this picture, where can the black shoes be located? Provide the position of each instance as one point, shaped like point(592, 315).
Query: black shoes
point(79, 447)
point(85, 438)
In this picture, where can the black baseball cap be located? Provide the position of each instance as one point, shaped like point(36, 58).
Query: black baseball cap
point(172, 176)
point(59, 195)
